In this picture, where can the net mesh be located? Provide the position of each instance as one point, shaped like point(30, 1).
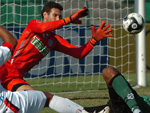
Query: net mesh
point(60, 72)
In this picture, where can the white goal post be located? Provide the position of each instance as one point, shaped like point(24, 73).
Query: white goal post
point(141, 47)
point(58, 72)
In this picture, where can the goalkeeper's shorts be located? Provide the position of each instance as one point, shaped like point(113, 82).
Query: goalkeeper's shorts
point(11, 79)
point(14, 84)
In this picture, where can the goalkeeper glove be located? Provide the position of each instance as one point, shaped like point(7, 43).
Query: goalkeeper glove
point(101, 33)
point(74, 18)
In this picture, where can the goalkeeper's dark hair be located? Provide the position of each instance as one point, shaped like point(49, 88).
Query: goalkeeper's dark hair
point(49, 5)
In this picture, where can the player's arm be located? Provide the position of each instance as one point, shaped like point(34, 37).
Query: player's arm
point(39, 27)
point(65, 47)
point(80, 52)
point(7, 48)
point(7, 36)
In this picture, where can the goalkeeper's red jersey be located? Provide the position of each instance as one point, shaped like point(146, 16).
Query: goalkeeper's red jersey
point(36, 41)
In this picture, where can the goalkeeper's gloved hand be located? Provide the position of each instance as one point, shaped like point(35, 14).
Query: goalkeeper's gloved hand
point(74, 18)
point(100, 33)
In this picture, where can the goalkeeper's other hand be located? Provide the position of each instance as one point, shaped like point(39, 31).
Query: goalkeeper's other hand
point(74, 18)
point(100, 33)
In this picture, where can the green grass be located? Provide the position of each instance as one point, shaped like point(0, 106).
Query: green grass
point(69, 84)
point(85, 94)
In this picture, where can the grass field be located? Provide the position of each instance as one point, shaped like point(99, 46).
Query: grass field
point(87, 95)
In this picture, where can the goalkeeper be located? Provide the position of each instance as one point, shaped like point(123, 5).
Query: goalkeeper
point(21, 101)
point(123, 98)
point(37, 40)
point(30, 101)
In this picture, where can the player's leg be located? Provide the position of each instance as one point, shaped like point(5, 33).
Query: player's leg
point(116, 103)
point(33, 101)
point(62, 105)
point(144, 103)
point(59, 104)
point(30, 101)
point(116, 81)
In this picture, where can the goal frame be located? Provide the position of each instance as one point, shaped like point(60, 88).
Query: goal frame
point(141, 47)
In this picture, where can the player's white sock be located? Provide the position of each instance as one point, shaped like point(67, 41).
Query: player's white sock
point(137, 111)
point(64, 105)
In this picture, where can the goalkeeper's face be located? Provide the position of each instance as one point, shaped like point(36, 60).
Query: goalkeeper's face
point(53, 15)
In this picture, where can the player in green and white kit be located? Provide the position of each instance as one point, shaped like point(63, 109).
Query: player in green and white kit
point(123, 98)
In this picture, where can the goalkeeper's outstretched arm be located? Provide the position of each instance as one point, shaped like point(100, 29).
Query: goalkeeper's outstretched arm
point(55, 22)
point(80, 52)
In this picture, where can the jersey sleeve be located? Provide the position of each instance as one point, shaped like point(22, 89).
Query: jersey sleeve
point(5, 52)
point(78, 52)
point(37, 26)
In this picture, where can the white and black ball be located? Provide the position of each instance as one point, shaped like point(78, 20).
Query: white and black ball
point(133, 23)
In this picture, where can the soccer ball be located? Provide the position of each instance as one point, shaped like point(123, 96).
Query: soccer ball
point(133, 23)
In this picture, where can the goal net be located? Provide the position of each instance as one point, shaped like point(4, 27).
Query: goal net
point(58, 72)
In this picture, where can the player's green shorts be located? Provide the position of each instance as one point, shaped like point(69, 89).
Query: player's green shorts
point(144, 103)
